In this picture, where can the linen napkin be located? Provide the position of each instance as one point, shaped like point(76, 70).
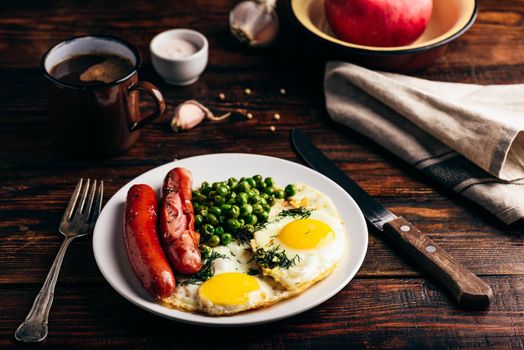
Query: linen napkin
point(468, 137)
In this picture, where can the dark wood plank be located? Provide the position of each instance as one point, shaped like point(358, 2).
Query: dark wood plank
point(399, 313)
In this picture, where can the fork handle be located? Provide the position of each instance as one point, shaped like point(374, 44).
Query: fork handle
point(34, 327)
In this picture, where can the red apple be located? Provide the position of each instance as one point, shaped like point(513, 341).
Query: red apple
point(378, 22)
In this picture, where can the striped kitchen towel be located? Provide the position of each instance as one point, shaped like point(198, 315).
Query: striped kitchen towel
point(468, 137)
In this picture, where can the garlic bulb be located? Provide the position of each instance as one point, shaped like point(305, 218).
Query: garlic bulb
point(191, 113)
point(254, 22)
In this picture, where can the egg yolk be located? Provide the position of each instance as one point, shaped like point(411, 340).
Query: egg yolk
point(305, 233)
point(229, 288)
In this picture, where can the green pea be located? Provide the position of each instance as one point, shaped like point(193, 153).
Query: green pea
point(242, 198)
point(213, 241)
point(203, 211)
point(199, 220)
point(232, 182)
point(195, 206)
point(257, 178)
point(291, 190)
point(271, 201)
point(225, 208)
point(222, 219)
point(251, 220)
point(249, 228)
point(246, 209)
point(233, 224)
point(261, 186)
point(257, 208)
point(234, 211)
point(204, 184)
point(222, 190)
point(269, 182)
point(251, 182)
point(262, 201)
point(241, 221)
point(266, 208)
point(268, 190)
point(205, 251)
point(232, 195)
point(254, 192)
point(212, 219)
point(264, 195)
point(211, 195)
point(215, 210)
point(243, 186)
point(226, 238)
point(219, 231)
point(279, 194)
point(263, 216)
point(205, 190)
point(219, 200)
point(215, 185)
point(208, 229)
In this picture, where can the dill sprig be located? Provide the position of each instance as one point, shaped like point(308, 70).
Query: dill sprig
point(300, 213)
point(253, 272)
point(206, 272)
point(274, 258)
point(244, 234)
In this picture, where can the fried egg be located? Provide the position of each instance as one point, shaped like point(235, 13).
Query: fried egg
point(299, 250)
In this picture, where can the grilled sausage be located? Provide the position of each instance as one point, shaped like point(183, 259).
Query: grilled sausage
point(177, 222)
point(143, 245)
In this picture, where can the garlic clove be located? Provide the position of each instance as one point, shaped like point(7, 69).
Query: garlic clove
point(254, 22)
point(191, 113)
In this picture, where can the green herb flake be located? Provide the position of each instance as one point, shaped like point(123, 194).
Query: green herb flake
point(273, 258)
point(206, 272)
point(253, 272)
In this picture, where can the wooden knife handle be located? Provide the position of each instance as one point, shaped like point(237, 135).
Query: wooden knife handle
point(468, 290)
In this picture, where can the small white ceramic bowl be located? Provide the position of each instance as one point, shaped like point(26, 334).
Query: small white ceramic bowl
point(184, 70)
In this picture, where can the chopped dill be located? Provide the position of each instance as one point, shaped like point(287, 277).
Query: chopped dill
point(300, 213)
point(206, 272)
point(274, 258)
point(253, 272)
point(244, 235)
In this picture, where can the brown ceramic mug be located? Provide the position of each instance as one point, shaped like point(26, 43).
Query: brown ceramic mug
point(102, 119)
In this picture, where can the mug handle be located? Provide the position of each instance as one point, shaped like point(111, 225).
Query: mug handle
point(152, 90)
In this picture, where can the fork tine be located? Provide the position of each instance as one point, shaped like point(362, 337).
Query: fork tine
point(91, 192)
point(98, 201)
point(68, 213)
point(85, 191)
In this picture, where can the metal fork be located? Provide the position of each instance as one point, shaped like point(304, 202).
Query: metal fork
point(78, 220)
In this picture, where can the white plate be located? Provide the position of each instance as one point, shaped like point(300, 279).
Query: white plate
point(110, 254)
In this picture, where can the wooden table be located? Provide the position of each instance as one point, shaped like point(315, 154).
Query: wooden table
point(388, 304)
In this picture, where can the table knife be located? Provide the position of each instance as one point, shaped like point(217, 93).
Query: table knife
point(468, 290)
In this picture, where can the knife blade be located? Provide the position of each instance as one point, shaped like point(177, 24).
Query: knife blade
point(468, 290)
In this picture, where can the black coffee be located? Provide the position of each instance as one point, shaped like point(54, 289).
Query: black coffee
point(91, 69)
